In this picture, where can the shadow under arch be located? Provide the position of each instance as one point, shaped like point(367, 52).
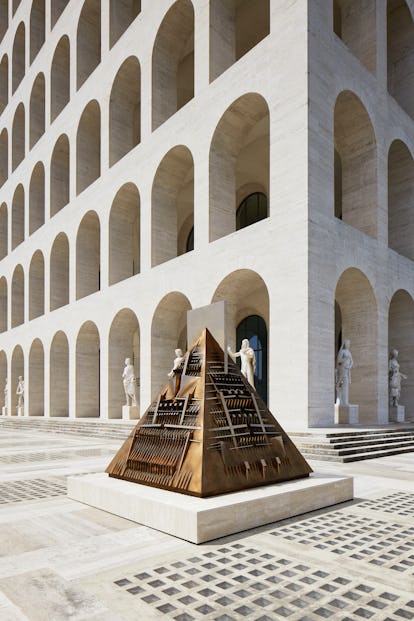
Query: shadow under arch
point(401, 337)
point(124, 342)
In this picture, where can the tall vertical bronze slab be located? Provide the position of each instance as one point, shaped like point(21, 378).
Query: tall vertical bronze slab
point(208, 433)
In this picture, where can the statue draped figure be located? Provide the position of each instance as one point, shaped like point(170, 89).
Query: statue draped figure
point(395, 376)
point(344, 364)
point(20, 392)
point(129, 381)
point(248, 360)
point(179, 358)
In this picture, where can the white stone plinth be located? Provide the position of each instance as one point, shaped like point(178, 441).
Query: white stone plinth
point(20, 411)
point(4, 411)
point(397, 413)
point(346, 414)
point(202, 519)
point(130, 412)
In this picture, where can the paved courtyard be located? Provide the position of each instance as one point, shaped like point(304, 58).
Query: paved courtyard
point(62, 560)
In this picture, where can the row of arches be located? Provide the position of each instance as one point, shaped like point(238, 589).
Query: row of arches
point(356, 25)
point(239, 186)
point(248, 315)
point(356, 176)
point(236, 28)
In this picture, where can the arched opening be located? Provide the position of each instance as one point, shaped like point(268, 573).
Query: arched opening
point(239, 161)
point(253, 328)
point(357, 321)
point(17, 370)
point(87, 371)
point(18, 217)
point(60, 78)
point(3, 380)
point(4, 17)
point(59, 375)
point(17, 297)
point(37, 198)
point(59, 175)
point(400, 199)
point(355, 23)
point(172, 205)
point(252, 209)
point(3, 305)
point(401, 337)
point(124, 234)
point(88, 40)
point(4, 228)
point(37, 28)
point(357, 176)
point(124, 342)
point(236, 26)
point(56, 9)
point(173, 62)
point(88, 243)
point(36, 379)
point(121, 15)
point(18, 136)
point(125, 110)
point(37, 110)
point(88, 147)
point(4, 83)
point(168, 331)
point(400, 54)
point(247, 316)
point(37, 286)
point(59, 272)
point(18, 56)
point(4, 157)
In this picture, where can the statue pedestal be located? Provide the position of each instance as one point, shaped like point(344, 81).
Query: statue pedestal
point(19, 411)
point(397, 413)
point(346, 414)
point(4, 411)
point(130, 412)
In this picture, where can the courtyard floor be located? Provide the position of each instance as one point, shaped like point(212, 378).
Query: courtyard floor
point(63, 560)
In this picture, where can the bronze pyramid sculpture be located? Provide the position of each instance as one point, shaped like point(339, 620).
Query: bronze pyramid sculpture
point(208, 433)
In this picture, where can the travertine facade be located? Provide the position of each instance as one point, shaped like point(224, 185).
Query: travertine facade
point(131, 132)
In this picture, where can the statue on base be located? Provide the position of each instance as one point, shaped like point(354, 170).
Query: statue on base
point(20, 392)
point(248, 360)
point(344, 364)
point(129, 381)
point(395, 376)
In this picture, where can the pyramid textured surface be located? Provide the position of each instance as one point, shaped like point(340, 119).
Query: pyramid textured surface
point(208, 433)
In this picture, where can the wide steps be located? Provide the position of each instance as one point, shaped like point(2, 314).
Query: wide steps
point(354, 445)
point(96, 429)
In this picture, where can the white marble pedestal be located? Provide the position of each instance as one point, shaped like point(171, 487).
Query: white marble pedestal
point(20, 411)
point(202, 519)
point(130, 412)
point(397, 413)
point(346, 414)
point(4, 411)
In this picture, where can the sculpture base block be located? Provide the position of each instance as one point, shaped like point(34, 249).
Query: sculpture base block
point(346, 414)
point(397, 413)
point(20, 411)
point(203, 519)
point(130, 412)
point(4, 411)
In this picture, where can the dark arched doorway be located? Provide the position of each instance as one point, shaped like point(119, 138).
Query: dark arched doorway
point(254, 328)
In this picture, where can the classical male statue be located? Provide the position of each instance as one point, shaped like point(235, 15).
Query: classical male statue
point(344, 364)
point(248, 360)
point(395, 376)
point(128, 378)
point(6, 392)
point(20, 392)
point(179, 358)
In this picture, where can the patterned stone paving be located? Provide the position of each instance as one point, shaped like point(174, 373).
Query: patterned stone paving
point(31, 489)
point(17, 458)
point(400, 503)
point(236, 581)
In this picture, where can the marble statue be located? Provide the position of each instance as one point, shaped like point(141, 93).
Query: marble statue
point(344, 364)
point(179, 358)
point(20, 392)
point(128, 378)
point(6, 392)
point(395, 376)
point(248, 360)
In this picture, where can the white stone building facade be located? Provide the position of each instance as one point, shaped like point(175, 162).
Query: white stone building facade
point(157, 156)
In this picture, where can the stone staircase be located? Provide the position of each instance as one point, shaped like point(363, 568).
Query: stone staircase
point(95, 428)
point(353, 444)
